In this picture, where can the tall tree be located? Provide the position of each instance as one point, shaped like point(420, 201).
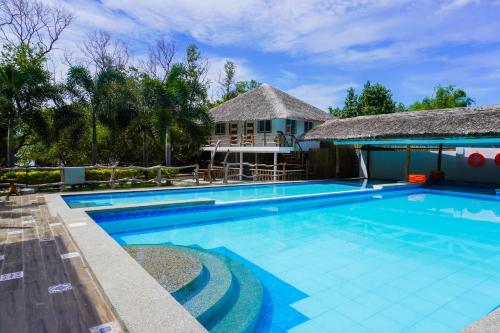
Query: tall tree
point(443, 98)
point(32, 24)
point(25, 87)
point(376, 99)
point(351, 106)
point(227, 81)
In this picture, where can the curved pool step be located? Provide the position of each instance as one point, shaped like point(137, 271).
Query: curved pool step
point(221, 293)
point(244, 314)
point(185, 273)
point(206, 303)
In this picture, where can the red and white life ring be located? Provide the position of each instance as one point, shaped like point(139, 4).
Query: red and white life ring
point(497, 159)
point(476, 160)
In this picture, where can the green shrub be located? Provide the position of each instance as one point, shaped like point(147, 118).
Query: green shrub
point(45, 177)
point(32, 177)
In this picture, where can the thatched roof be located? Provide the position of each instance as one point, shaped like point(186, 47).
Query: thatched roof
point(266, 102)
point(475, 121)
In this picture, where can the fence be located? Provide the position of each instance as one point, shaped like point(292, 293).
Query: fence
point(257, 172)
point(117, 175)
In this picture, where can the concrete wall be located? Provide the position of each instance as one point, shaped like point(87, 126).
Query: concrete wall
point(390, 164)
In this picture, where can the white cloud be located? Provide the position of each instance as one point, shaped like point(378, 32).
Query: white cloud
point(456, 4)
point(321, 95)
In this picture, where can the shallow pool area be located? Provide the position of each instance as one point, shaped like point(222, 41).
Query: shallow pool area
point(217, 193)
point(414, 260)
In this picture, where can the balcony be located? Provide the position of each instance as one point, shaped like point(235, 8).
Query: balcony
point(253, 140)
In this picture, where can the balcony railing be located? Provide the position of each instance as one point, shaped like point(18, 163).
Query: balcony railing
point(253, 140)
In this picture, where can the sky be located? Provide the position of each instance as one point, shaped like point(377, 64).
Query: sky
point(314, 49)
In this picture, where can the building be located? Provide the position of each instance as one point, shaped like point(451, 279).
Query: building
point(263, 126)
point(394, 145)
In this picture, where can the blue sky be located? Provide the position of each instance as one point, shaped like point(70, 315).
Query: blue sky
point(314, 49)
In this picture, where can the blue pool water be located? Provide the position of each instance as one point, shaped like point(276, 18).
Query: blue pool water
point(220, 194)
point(414, 260)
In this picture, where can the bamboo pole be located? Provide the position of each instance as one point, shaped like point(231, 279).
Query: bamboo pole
point(407, 162)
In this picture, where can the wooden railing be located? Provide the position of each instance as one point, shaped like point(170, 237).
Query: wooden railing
point(113, 180)
point(253, 140)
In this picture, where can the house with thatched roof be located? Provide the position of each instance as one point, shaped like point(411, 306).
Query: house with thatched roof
point(392, 146)
point(264, 122)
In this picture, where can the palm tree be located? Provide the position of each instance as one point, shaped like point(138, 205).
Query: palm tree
point(94, 91)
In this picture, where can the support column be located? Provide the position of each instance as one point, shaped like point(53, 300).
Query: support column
point(241, 165)
point(368, 149)
point(275, 167)
point(407, 162)
point(440, 156)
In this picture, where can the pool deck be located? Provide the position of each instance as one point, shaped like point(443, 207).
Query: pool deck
point(111, 289)
point(45, 284)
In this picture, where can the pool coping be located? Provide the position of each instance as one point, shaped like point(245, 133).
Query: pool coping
point(139, 300)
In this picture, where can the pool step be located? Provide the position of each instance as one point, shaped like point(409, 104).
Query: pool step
point(223, 295)
point(245, 312)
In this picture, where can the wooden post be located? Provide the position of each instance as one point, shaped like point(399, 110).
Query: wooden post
point(196, 174)
point(61, 172)
point(241, 165)
point(158, 176)
point(407, 162)
point(337, 161)
point(440, 156)
point(368, 156)
point(275, 167)
point(112, 179)
point(226, 170)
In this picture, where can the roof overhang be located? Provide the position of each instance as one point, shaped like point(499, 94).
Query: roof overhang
point(454, 142)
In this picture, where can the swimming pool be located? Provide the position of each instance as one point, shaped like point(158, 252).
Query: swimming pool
point(217, 193)
point(408, 260)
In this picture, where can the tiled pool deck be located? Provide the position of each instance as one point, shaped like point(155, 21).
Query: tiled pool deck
point(45, 285)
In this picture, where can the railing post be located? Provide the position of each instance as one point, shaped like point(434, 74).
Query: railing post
point(158, 176)
point(61, 172)
point(226, 170)
point(112, 180)
point(196, 174)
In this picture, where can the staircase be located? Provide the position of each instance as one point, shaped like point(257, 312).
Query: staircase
point(220, 292)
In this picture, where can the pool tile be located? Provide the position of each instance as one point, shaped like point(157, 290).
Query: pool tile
point(380, 323)
point(331, 297)
point(311, 307)
point(430, 325)
point(419, 305)
point(356, 311)
point(335, 322)
point(309, 326)
point(402, 315)
point(371, 299)
point(451, 318)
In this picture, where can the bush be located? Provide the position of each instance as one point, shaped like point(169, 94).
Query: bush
point(45, 177)
point(32, 177)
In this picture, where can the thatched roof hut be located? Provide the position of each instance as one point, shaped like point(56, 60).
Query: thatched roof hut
point(466, 122)
point(266, 102)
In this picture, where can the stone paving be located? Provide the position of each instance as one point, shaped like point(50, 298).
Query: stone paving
point(45, 285)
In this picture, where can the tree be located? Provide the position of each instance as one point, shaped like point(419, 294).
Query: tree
point(227, 83)
point(444, 97)
point(25, 87)
point(160, 59)
point(94, 91)
point(376, 99)
point(351, 106)
point(32, 24)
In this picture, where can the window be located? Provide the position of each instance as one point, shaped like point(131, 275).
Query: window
point(291, 126)
point(308, 125)
point(220, 128)
point(264, 126)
